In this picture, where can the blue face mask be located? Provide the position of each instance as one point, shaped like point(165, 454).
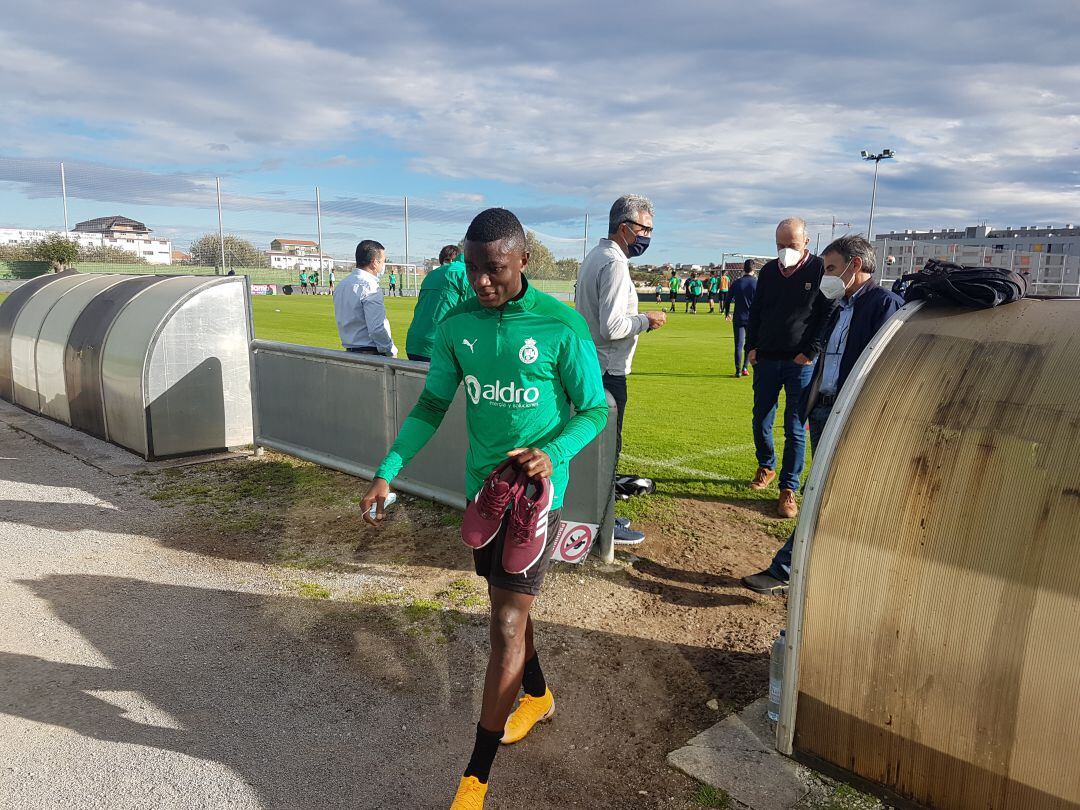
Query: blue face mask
point(641, 244)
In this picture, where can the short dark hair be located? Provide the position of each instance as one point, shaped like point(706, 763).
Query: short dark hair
point(448, 254)
point(497, 225)
point(367, 252)
point(748, 266)
point(851, 247)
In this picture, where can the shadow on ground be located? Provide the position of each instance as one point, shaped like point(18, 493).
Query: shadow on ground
point(319, 704)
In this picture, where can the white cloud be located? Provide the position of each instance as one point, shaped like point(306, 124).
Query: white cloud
point(729, 117)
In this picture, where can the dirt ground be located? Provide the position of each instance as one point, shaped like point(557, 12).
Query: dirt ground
point(633, 651)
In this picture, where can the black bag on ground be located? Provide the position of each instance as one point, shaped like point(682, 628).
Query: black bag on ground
point(627, 486)
point(979, 287)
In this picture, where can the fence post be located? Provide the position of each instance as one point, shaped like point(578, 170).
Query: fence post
point(221, 233)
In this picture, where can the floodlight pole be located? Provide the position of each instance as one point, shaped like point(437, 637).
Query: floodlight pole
point(585, 243)
point(63, 189)
point(220, 231)
point(884, 154)
point(318, 224)
point(407, 241)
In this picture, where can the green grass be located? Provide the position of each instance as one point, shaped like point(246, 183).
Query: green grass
point(687, 423)
point(708, 796)
point(311, 590)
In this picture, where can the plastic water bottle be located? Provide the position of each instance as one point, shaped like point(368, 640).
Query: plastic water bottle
point(391, 499)
point(776, 675)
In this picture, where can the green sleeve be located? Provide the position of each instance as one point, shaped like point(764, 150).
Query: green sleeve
point(443, 378)
point(579, 370)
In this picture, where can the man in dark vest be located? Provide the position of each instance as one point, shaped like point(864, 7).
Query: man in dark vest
point(863, 309)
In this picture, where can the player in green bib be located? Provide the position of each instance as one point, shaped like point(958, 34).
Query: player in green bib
point(693, 290)
point(714, 290)
point(443, 289)
point(673, 290)
point(533, 392)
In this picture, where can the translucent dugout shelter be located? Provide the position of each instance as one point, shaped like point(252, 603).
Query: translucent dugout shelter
point(156, 364)
point(934, 625)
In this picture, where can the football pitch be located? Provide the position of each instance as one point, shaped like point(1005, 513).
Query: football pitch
point(687, 423)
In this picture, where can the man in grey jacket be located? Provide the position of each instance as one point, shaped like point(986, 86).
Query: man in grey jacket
point(606, 298)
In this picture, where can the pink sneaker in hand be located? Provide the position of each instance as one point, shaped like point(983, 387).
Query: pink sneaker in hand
point(527, 533)
point(484, 514)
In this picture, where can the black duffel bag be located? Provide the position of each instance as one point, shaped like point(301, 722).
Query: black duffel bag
point(979, 287)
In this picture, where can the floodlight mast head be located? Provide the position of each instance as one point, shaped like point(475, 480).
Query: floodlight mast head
point(863, 153)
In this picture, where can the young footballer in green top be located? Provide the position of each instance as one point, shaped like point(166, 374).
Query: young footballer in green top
point(524, 359)
point(673, 289)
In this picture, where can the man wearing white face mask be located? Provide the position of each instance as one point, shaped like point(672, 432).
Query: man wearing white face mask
point(863, 308)
point(785, 334)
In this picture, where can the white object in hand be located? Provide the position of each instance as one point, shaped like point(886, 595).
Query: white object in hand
point(391, 499)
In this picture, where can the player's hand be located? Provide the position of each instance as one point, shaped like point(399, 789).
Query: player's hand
point(752, 357)
point(656, 319)
point(536, 463)
point(803, 360)
point(376, 496)
point(727, 317)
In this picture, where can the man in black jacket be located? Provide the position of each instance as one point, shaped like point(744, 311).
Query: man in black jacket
point(785, 334)
point(864, 307)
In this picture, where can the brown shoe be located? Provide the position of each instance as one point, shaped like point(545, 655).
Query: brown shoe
point(787, 507)
point(762, 478)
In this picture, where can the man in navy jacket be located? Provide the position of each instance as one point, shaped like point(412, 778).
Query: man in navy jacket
point(864, 307)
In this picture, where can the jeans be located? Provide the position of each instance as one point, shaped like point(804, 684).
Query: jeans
point(615, 384)
point(740, 348)
point(770, 376)
point(781, 564)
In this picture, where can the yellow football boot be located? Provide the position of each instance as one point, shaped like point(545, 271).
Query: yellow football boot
point(530, 711)
point(470, 794)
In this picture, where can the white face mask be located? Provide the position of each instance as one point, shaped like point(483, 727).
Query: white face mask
point(789, 257)
point(834, 287)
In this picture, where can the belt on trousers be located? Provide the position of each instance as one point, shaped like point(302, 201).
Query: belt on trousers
point(826, 400)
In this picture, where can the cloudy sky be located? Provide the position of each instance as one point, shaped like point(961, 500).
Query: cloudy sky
point(729, 115)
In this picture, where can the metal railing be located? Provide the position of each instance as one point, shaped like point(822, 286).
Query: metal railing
point(342, 410)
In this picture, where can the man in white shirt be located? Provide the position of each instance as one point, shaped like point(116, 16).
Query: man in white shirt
point(359, 307)
point(606, 298)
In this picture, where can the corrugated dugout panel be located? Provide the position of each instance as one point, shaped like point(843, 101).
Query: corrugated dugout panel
point(940, 648)
point(83, 357)
point(25, 334)
point(175, 369)
point(10, 308)
point(53, 340)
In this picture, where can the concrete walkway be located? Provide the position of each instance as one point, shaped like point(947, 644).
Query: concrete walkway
point(133, 675)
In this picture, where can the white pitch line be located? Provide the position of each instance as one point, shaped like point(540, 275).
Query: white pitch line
point(667, 465)
point(715, 453)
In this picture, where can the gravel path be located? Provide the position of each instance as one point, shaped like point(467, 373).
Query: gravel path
point(133, 675)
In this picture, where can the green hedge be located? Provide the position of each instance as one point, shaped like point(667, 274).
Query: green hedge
point(257, 275)
point(23, 269)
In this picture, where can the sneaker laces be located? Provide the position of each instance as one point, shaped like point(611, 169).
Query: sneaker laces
point(521, 521)
point(493, 500)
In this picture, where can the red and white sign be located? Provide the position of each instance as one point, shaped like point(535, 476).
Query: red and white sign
point(574, 541)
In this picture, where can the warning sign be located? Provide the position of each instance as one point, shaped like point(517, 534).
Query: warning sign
point(574, 541)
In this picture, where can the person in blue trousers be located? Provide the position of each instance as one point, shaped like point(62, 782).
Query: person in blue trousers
point(785, 334)
point(863, 309)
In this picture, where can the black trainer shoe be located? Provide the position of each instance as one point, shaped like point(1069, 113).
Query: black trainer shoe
point(765, 583)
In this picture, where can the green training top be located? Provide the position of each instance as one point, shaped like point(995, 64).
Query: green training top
point(673, 284)
point(695, 287)
point(714, 284)
point(393, 278)
point(443, 289)
point(523, 366)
